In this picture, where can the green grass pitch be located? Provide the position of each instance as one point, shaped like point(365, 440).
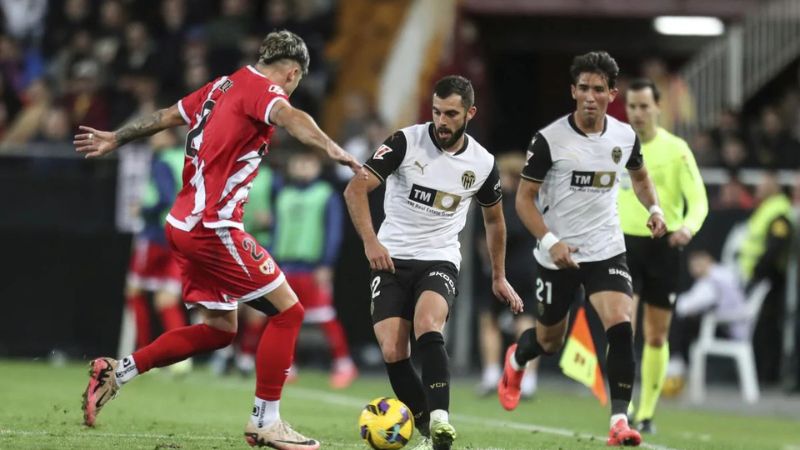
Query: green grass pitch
point(40, 409)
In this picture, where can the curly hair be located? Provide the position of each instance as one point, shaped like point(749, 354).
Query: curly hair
point(284, 44)
point(595, 62)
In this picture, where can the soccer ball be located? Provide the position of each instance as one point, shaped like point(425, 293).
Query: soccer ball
point(386, 423)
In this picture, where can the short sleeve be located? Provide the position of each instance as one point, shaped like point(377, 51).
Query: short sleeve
point(635, 161)
point(539, 160)
point(490, 191)
point(259, 107)
point(388, 157)
point(192, 104)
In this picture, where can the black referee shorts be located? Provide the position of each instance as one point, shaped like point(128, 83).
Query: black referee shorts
point(655, 269)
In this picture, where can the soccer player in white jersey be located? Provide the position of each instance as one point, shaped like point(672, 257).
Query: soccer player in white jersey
point(567, 199)
point(432, 172)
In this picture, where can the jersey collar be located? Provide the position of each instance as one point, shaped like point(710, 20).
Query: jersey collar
point(571, 120)
point(432, 135)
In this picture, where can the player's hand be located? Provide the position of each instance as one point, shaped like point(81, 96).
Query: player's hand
point(378, 256)
point(504, 292)
point(561, 253)
point(94, 143)
point(346, 159)
point(680, 237)
point(656, 225)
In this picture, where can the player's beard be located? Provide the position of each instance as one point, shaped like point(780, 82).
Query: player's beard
point(454, 137)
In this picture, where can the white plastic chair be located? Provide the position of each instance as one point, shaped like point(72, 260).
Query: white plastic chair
point(740, 350)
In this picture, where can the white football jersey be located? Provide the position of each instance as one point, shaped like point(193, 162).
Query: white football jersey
point(428, 192)
point(580, 178)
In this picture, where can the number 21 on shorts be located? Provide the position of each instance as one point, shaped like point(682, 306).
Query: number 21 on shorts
point(544, 286)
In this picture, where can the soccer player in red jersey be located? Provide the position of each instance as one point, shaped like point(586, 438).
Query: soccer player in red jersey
point(231, 120)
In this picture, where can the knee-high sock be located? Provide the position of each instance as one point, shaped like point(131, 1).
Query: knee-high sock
point(250, 336)
point(528, 347)
point(654, 370)
point(141, 316)
point(336, 338)
point(621, 366)
point(172, 317)
point(408, 388)
point(179, 344)
point(276, 352)
point(435, 370)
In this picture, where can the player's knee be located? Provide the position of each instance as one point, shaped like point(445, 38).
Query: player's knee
point(292, 316)
point(396, 352)
point(656, 341)
point(551, 344)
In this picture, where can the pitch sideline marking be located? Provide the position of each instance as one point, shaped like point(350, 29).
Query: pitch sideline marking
point(345, 400)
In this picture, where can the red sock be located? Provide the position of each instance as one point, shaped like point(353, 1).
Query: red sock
point(172, 317)
point(179, 344)
point(276, 351)
point(251, 335)
point(141, 315)
point(336, 338)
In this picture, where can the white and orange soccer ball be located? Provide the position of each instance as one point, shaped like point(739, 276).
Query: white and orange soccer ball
point(386, 424)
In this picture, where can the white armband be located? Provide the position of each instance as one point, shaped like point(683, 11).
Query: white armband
point(548, 240)
point(655, 209)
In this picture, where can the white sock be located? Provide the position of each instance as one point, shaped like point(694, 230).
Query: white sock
point(529, 382)
point(440, 415)
point(616, 417)
point(491, 375)
point(126, 370)
point(514, 364)
point(265, 412)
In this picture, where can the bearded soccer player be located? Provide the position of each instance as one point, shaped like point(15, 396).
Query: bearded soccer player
point(567, 199)
point(655, 263)
point(231, 120)
point(432, 173)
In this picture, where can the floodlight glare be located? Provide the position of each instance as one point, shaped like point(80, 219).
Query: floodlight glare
point(689, 25)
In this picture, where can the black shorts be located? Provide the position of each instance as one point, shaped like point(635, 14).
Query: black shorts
point(395, 294)
point(556, 290)
point(655, 268)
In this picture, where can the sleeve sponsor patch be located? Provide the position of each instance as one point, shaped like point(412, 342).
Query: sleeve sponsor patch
point(382, 150)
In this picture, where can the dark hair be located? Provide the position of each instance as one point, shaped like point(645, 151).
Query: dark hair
point(643, 83)
point(284, 45)
point(595, 62)
point(455, 84)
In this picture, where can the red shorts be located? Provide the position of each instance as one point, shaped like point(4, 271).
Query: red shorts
point(317, 300)
point(153, 268)
point(222, 266)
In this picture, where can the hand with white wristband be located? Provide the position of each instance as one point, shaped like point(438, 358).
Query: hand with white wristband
point(656, 222)
point(559, 251)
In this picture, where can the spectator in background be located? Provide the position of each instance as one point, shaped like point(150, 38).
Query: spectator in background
point(728, 126)
point(226, 31)
point(716, 288)
point(774, 147)
point(705, 151)
point(9, 104)
point(23, 19)
point(83, 100)
point(493, 314)
point(110, 33)
point(733, 153)
point(170, 33)
point(356, 111)
point(78, 48)
point(64, 20)
point(26, 124)
point(677, 104)
point(362, 145)
point(56, 127)
point(733, 194)
point(764, 254)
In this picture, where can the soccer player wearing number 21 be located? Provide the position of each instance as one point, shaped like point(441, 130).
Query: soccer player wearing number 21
point(231, 120)
point(432, 172)
point(567, 199)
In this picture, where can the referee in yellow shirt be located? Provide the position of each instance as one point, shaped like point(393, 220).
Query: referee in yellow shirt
point(654, 263)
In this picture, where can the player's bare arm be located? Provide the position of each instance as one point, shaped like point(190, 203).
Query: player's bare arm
point(303, 128)
point(94, 143)
point(355, 196)
point(646, 193)
point(495, 225)
point(530, 215)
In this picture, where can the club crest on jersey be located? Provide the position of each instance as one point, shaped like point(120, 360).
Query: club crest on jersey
point(616, 154)
point(467, 179)
point(382, 150)
point(275, 89)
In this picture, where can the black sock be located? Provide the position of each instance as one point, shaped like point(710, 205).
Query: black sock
point(435, 370)
point(528, 347)
point(409, 390)
point(621, 366)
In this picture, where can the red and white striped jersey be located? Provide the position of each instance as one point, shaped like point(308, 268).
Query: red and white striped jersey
point(229, 131)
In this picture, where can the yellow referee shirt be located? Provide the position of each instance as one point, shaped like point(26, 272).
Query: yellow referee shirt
point(674, 172)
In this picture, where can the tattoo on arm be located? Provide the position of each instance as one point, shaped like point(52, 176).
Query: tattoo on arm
point(140, 127)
